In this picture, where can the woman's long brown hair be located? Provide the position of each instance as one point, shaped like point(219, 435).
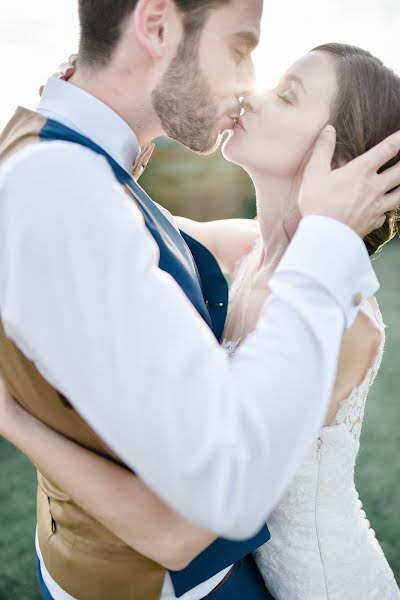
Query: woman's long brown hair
point(366, 111)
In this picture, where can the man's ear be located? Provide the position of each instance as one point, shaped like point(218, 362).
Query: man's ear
point(151, 20)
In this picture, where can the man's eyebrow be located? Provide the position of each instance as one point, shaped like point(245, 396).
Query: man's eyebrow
point(250, 37)
point(297, 79)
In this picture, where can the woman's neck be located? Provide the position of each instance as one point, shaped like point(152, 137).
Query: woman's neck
point(278, 217)
point(274, 201)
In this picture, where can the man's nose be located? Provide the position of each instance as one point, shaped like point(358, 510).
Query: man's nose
point(246, 79)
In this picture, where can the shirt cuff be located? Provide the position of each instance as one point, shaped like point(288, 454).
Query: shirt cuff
point(334, 256)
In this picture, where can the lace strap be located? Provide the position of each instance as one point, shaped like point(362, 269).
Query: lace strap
point(373, 313)
point(351, 409)
point(376, 317)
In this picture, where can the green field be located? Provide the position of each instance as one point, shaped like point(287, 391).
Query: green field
point(378, 474)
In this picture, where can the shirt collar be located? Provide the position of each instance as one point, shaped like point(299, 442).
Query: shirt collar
point(85, 114)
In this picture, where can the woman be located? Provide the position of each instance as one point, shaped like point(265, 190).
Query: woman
point(321, 545)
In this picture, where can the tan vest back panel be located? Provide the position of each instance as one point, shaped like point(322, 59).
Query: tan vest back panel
point(83, 557)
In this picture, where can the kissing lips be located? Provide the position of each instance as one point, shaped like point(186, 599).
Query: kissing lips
point(239, 124)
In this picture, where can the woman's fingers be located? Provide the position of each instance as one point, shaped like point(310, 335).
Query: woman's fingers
point(67, 69)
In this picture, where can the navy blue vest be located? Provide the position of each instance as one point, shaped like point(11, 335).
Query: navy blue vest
point(197, 272)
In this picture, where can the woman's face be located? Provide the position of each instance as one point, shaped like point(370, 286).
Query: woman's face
point(279, 127)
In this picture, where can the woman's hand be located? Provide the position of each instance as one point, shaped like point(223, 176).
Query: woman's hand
point(10, 411)
point(66, 70)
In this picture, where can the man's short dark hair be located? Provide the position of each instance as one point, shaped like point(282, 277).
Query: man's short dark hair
point(102, 22)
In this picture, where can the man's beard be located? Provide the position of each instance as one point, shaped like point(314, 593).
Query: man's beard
point(183, 102)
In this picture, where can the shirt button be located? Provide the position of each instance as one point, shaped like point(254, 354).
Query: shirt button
point(357, 299)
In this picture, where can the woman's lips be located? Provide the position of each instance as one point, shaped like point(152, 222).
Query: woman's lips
point(239, 124)
point(228, 124)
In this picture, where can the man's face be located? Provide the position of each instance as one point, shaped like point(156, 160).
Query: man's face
point(198, 97)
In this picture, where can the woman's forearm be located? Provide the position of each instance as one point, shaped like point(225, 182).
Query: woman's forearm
point(109, 493)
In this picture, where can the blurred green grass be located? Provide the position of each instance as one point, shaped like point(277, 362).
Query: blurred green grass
point(378, 470)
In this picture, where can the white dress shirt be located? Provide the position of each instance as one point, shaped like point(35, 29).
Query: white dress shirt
point(82, 296)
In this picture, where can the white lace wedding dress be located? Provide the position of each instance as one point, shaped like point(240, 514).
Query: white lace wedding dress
point(322, 546)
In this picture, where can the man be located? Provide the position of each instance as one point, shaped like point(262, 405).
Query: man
point(94, 319)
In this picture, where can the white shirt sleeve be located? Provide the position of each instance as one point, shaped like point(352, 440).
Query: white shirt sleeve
point(82, 296)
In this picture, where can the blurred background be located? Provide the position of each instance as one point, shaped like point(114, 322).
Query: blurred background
point(35, 37)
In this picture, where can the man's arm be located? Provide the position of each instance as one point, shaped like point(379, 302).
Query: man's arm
point(82, 296)
point(98, 485)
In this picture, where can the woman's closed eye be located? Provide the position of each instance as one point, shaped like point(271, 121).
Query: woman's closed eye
point(289, 97)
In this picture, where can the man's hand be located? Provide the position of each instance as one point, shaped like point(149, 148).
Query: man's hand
point(354, 194)
point(67, 69)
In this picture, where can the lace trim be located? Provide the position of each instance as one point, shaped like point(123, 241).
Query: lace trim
point(230, 347)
